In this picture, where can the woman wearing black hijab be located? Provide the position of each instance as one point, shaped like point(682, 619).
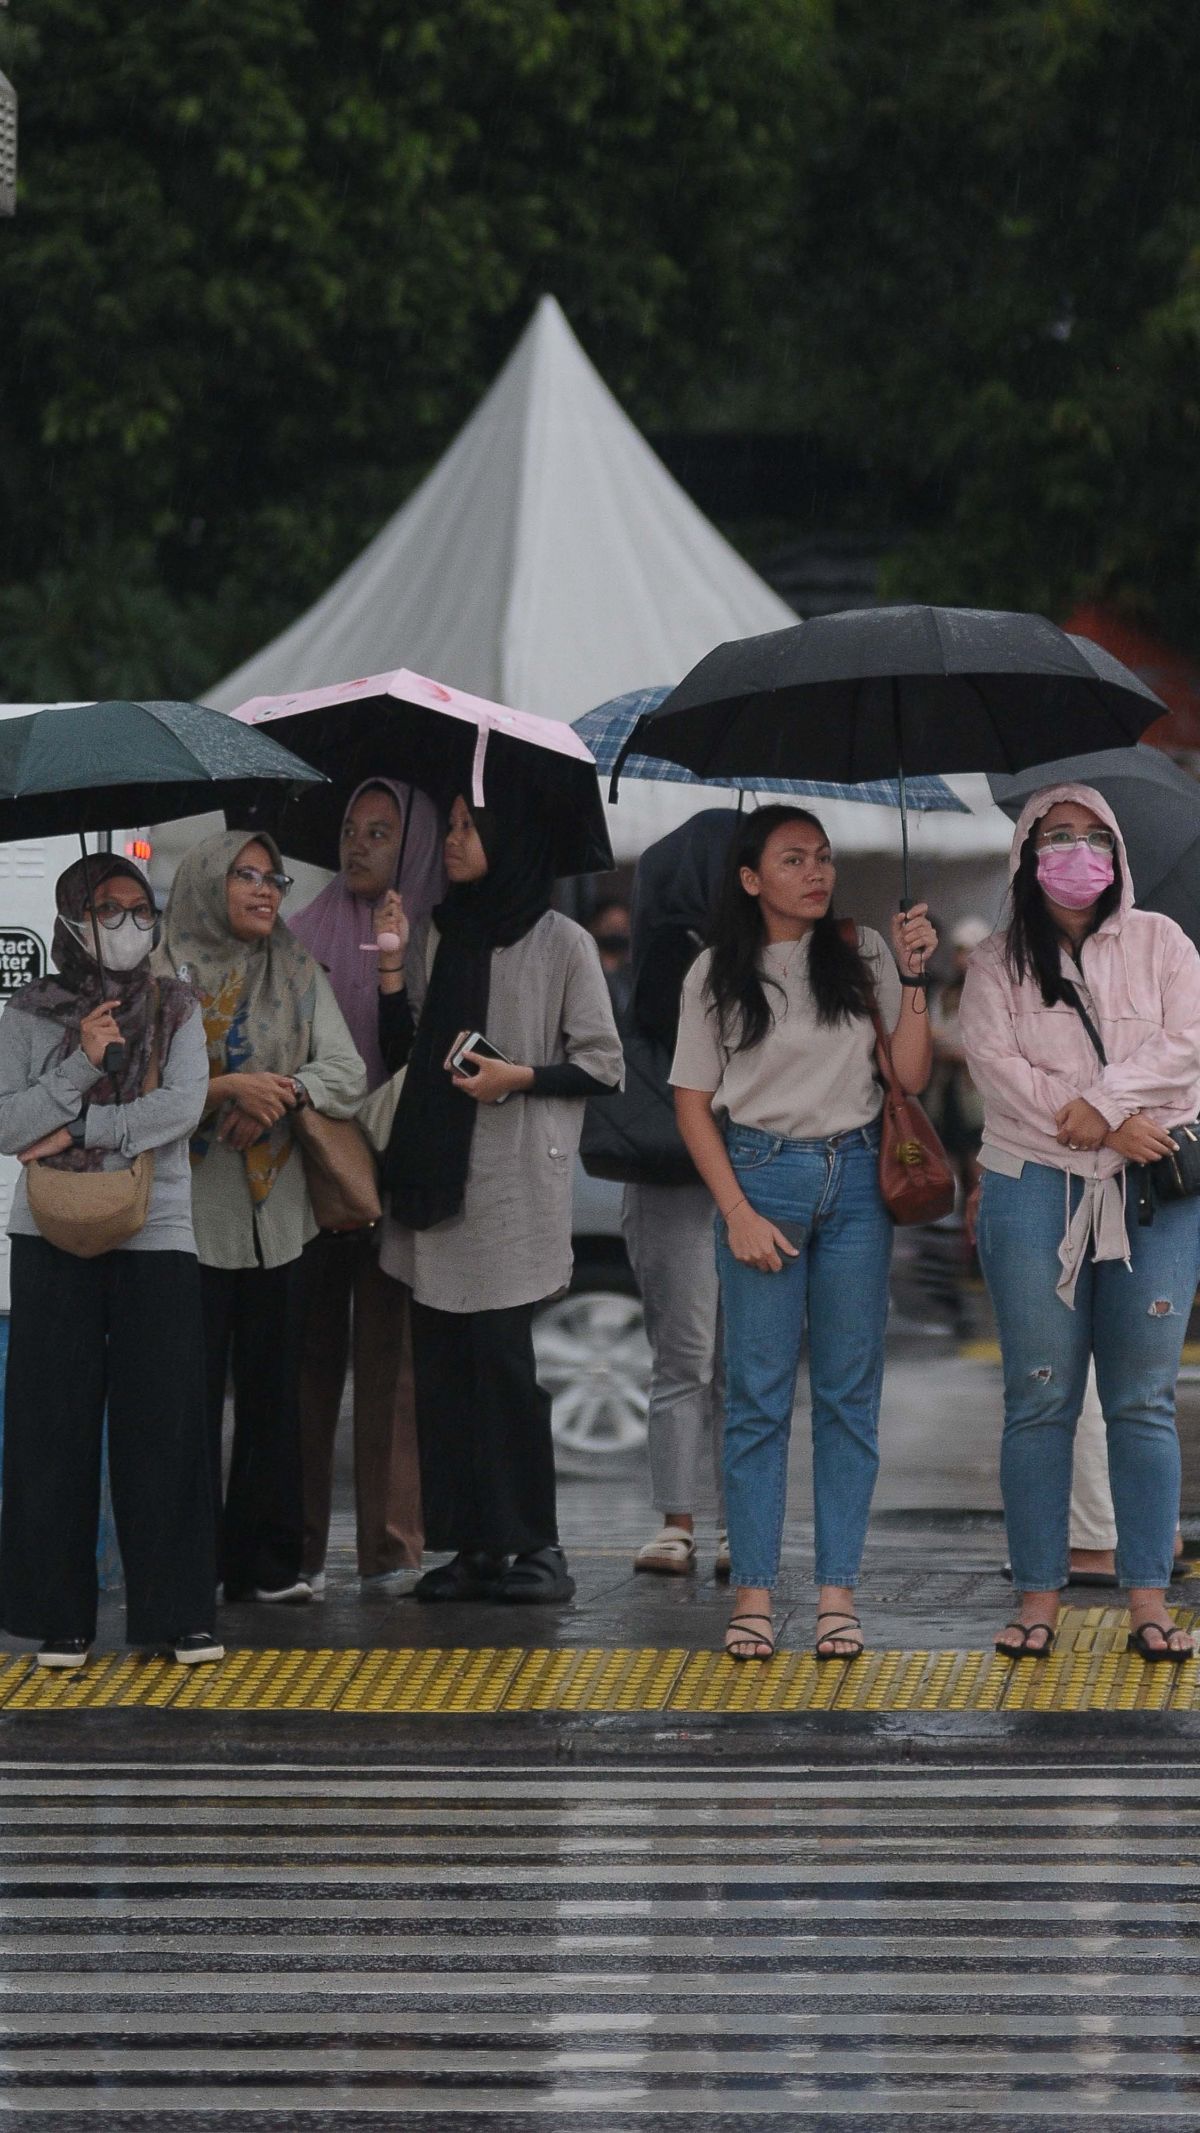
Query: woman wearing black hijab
point(479, 1177)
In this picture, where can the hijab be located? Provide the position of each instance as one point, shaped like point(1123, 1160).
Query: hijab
point(257, 997)
point(337, 924)
point(425, 1168)
point(80, 985)
point(675, 893)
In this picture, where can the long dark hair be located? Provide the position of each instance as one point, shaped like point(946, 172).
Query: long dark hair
point(841, 983)
point(1031, 945)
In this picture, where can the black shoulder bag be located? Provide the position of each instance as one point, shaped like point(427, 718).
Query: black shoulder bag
point(1172, 1177)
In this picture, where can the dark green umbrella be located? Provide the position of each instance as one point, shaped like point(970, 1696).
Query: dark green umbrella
point(80, 767)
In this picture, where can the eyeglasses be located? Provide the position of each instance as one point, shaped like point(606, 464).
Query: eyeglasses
point(255, 878)
point(111, 915)
point(1065, 840)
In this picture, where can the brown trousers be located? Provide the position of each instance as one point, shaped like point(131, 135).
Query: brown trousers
point(342, 1278)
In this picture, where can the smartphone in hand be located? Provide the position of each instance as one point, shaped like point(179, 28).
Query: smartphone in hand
point(474, 1041)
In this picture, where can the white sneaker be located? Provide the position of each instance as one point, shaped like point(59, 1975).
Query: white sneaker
point(387, 1584)
point(297, 1594)
point(315, 1580)
point(200, 1648)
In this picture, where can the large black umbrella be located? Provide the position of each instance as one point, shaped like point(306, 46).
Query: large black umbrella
point(86, 767)
point(423, 732)
point(883, 692)
point(1158, 808)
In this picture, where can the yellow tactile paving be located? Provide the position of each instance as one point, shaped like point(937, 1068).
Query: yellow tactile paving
point(1089, 1671)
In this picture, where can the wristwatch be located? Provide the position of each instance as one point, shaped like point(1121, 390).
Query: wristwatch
point(302, 1095)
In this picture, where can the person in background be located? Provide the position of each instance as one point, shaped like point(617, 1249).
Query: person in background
point(479, 1175)
point(609, 926)
point(779, 1105)
point(276, 1041)
point(954, 1103)
point(122, 1329)
point(1081, 1023)
point(668, 1228)
point(390, 856)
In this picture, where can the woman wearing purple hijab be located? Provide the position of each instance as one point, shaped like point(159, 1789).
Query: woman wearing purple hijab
point(391, 858)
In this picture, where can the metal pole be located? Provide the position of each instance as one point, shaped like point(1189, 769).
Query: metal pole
point(906, 899)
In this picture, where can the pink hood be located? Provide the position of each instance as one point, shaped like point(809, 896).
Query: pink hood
point(1139, 977)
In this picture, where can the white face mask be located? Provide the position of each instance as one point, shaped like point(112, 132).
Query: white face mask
point(123, 947)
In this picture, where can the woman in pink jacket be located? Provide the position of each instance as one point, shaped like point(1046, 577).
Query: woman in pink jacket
point(1069, 1115)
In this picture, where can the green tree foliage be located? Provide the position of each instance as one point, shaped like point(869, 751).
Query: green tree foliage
point(268, 255)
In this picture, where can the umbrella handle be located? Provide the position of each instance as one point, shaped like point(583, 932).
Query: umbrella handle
point(625, 750)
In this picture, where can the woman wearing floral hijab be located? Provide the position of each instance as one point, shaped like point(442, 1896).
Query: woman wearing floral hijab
point(123, 1328)
point(276, 1041)
point(391, 873)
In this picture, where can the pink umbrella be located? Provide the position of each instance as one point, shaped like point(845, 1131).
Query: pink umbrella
point(406, 725)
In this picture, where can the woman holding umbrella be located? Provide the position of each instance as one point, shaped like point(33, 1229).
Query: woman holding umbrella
point(479, 1176)
point(778, 1102)
point(1081, 1023)
point(390, 853)
point(101, 1065)
point(276, 1042)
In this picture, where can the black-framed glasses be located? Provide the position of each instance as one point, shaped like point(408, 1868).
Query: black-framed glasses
point(1065, 840)
point(260, 878)
point(111, 915)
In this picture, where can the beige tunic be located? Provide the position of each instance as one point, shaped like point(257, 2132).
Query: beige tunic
point(511, 1244)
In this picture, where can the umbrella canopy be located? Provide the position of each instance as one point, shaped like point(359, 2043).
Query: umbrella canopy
point(103, 766)
point(605, 730)
point(896, 690)
point(1158, 808)
point(406, 726)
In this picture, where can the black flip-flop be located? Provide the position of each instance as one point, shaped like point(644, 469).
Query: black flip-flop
point(1026, 1650)
point(1158, 1654)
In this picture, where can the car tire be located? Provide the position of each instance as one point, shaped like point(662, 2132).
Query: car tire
point(593, 1358)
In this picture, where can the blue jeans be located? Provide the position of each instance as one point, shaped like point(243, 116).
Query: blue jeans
point(1133, 1322)
point(824, 1196)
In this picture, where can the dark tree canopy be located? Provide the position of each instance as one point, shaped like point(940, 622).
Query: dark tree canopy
point(267, 257)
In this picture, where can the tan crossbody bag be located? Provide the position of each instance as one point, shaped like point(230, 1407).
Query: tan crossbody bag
point(86, 1212)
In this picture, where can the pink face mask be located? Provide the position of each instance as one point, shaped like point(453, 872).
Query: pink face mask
point(1075, 878)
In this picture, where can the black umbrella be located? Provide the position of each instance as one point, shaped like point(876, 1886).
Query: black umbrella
point(883, 692)
point(1158, 808)
point(80, 767)
point(422, 732)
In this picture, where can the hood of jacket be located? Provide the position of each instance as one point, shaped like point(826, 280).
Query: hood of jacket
point(1040, 803)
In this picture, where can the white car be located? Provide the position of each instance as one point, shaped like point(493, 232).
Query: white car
point(592, 1353)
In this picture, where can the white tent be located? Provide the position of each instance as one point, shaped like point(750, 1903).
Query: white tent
point(550, 561)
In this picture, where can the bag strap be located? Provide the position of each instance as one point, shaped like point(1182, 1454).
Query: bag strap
point(883, 1043)
point(1071, 995)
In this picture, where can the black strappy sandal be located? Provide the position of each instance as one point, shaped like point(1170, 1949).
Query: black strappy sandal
point(1159, 1654)
point(750, 1636)
point(1026, 1650)
point(835, 1636)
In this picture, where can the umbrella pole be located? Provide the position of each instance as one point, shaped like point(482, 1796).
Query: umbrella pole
point(906, 899)
point(114, 1053)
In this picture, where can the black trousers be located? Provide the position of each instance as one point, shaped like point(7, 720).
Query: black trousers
point(483, 1424)
point(124, 1329)
point(252, 1321)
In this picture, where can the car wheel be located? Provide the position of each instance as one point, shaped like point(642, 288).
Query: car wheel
point(593, 1358)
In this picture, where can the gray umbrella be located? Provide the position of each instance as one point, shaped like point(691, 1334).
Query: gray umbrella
point(1158, 808)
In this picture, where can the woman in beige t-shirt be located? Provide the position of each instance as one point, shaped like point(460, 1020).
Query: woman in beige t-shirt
point(778, 1102)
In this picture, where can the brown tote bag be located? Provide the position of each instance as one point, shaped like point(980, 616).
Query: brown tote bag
point(915, 1179)
point(87, 1212)
point(339, 1170)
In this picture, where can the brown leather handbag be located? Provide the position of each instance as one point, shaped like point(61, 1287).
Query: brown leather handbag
point(916, 1181)
point(339, 1170)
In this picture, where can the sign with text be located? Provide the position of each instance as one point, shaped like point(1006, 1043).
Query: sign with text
point(22, 958)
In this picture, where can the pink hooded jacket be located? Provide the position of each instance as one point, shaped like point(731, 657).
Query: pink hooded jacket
point(1141, 984)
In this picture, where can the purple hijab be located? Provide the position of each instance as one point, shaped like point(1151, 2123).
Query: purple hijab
point(334, 926)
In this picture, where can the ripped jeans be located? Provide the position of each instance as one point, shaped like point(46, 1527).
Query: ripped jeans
point(1133, 1322)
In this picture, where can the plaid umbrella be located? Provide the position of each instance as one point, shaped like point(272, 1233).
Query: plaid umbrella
point(605, 730)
